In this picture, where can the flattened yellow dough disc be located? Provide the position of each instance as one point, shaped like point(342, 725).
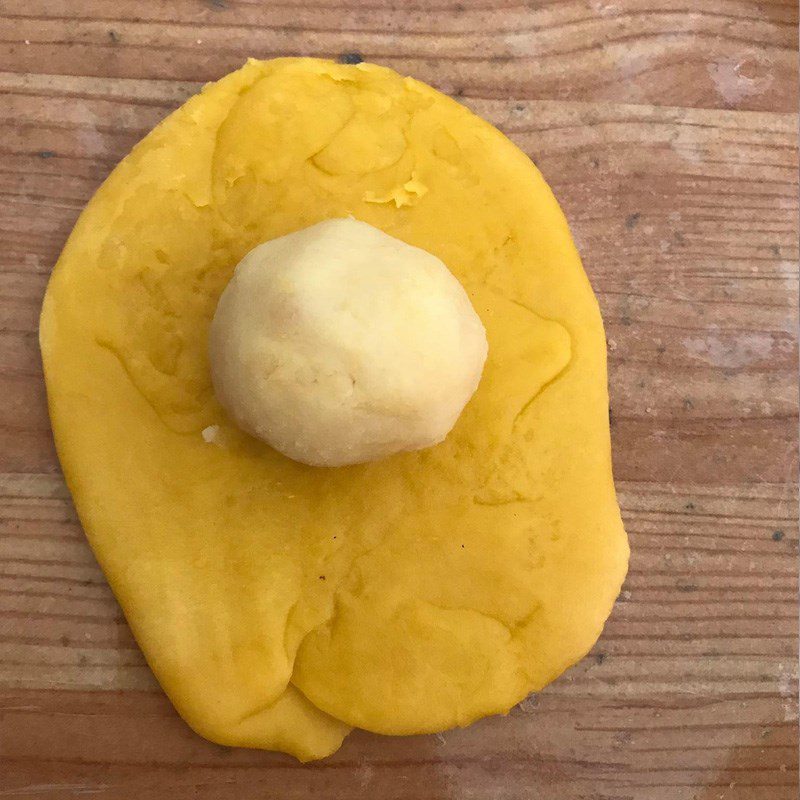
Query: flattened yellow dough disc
point(280, 604)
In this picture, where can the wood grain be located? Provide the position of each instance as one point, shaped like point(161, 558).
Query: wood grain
point(719, 53)
point(668, 135)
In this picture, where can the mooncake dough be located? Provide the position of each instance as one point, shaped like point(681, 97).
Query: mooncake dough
point(339, 344)
point(279, 604)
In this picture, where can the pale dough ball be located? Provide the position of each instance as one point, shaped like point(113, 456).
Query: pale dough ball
point(339, 344)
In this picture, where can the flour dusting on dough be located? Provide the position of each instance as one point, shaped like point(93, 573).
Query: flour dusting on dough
point(210, 434)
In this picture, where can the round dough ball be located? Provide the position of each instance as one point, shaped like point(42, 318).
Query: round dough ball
point(339, 344)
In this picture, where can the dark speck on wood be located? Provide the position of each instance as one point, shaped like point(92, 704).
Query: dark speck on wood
point(114, 36)
point(350, 58)
point(46, 154)
point(632, 220)
point(777, 536)
point(623, 737)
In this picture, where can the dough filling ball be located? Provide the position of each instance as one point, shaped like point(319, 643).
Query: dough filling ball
point(339, 344)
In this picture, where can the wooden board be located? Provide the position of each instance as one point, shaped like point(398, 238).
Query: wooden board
point(668, 131)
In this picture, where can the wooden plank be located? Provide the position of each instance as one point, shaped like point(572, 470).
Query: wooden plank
point(718, 53)
point(683, 747)
point(667, 133)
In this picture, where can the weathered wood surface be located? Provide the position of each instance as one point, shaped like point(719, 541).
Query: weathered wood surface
point(668, 133)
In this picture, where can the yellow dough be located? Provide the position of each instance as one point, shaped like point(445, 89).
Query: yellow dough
point(280, 604)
